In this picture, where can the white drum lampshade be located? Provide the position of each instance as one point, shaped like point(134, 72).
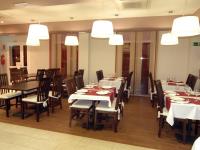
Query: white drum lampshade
point(169, 39)
point(102, 29)
point(186, 26)
point(116, 39)
point(71, 40)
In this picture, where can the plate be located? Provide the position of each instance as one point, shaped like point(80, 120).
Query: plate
point(176, 98)
point(180, 102)
point(106, 87)
point(89, 86)
point(103, 92)
point(82, 91)
point(170, 92)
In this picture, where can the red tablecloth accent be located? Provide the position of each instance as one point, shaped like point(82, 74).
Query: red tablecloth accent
point(191, 100)
point(95, 89)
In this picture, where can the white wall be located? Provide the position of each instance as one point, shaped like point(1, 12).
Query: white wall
point(96, 54)
point(83, 54)
point(37, 57)
point(178, 60)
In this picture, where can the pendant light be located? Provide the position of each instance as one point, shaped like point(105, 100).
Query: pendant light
point(116, 39)
point(102, 29)
point(37, 32)
point(169, 39)
point(71, 40)
point(186, 26)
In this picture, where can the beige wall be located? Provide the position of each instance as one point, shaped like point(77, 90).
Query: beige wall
point(178, 60)
point(37, 57)
point(95, 54)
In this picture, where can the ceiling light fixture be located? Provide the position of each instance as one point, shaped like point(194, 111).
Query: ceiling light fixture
point(169, 39)
point(186, 26)
point(102, 29)
point(71, 40)
point(37, 32)
point(32, 41)
point(116, 39)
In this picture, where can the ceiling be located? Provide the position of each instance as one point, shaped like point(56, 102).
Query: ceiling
point(23, 11)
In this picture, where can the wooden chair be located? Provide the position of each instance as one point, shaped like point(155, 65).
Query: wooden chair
point(56, 94)
point(193, 81)
point(40, 74)
point(81, 72)
point(40, 100)
point(128, 83)
point(7, 95)
point(78, 107)
point(15, 75)
point(100, 75)
point(113, 111)
point(79, 81)
point(153, 95)
point(162, 110)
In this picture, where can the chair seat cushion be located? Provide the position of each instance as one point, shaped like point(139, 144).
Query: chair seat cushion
point(10, 95)
point(85, 104)
point(30, 92)
point(32, 99)
point(103, 106)
point(54, 96)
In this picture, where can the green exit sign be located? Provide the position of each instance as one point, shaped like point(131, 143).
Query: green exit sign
point(196, 43)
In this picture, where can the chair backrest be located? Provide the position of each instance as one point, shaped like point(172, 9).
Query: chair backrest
point(15, 75)
point(40, 74)
point(3, 79)
point(24, 70)
point(43, 89)
point(81, 72)
point(70, 86)
point(79, 81)
point(57, 88)
point(120, 95)
point(129, 80)
point(188, 81)
point(160, 94)
point(151, 82)
point(50, 73)
point(100, 75)
point(193, 82)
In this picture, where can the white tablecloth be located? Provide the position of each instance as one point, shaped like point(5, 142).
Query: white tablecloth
point(114, 83)
point(183, 111)
point(196, 144)
point(89, 97)
point(165, 86)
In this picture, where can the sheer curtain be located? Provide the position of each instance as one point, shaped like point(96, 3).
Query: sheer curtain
point(61, 56)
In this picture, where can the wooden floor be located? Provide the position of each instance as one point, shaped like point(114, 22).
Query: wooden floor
point(138, 127)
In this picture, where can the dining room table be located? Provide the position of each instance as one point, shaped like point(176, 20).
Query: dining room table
point(174, 85)
point(24, 87)
point(112, 81)
point(94, 93)
point(182, 105)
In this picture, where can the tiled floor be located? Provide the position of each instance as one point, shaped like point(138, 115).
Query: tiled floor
point(14, 137)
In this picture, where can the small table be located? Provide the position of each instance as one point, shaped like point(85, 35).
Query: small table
point(112, 81)
point(187, 107)
point(23, 87)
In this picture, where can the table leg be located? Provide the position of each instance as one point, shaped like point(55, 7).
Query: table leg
point(184, 130)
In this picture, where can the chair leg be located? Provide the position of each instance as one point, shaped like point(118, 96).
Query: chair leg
point(7, 107)
point(47, 108)
point(22, 109)
point(160, 125)
point(17, 99)
point(37, 112)
point(88, 118)
point(196, 127)
point(70, 117)
point(95, 119)
point(115, 122)
point(60, 103)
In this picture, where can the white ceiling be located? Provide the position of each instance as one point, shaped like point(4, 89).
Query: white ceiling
point(64, 10)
